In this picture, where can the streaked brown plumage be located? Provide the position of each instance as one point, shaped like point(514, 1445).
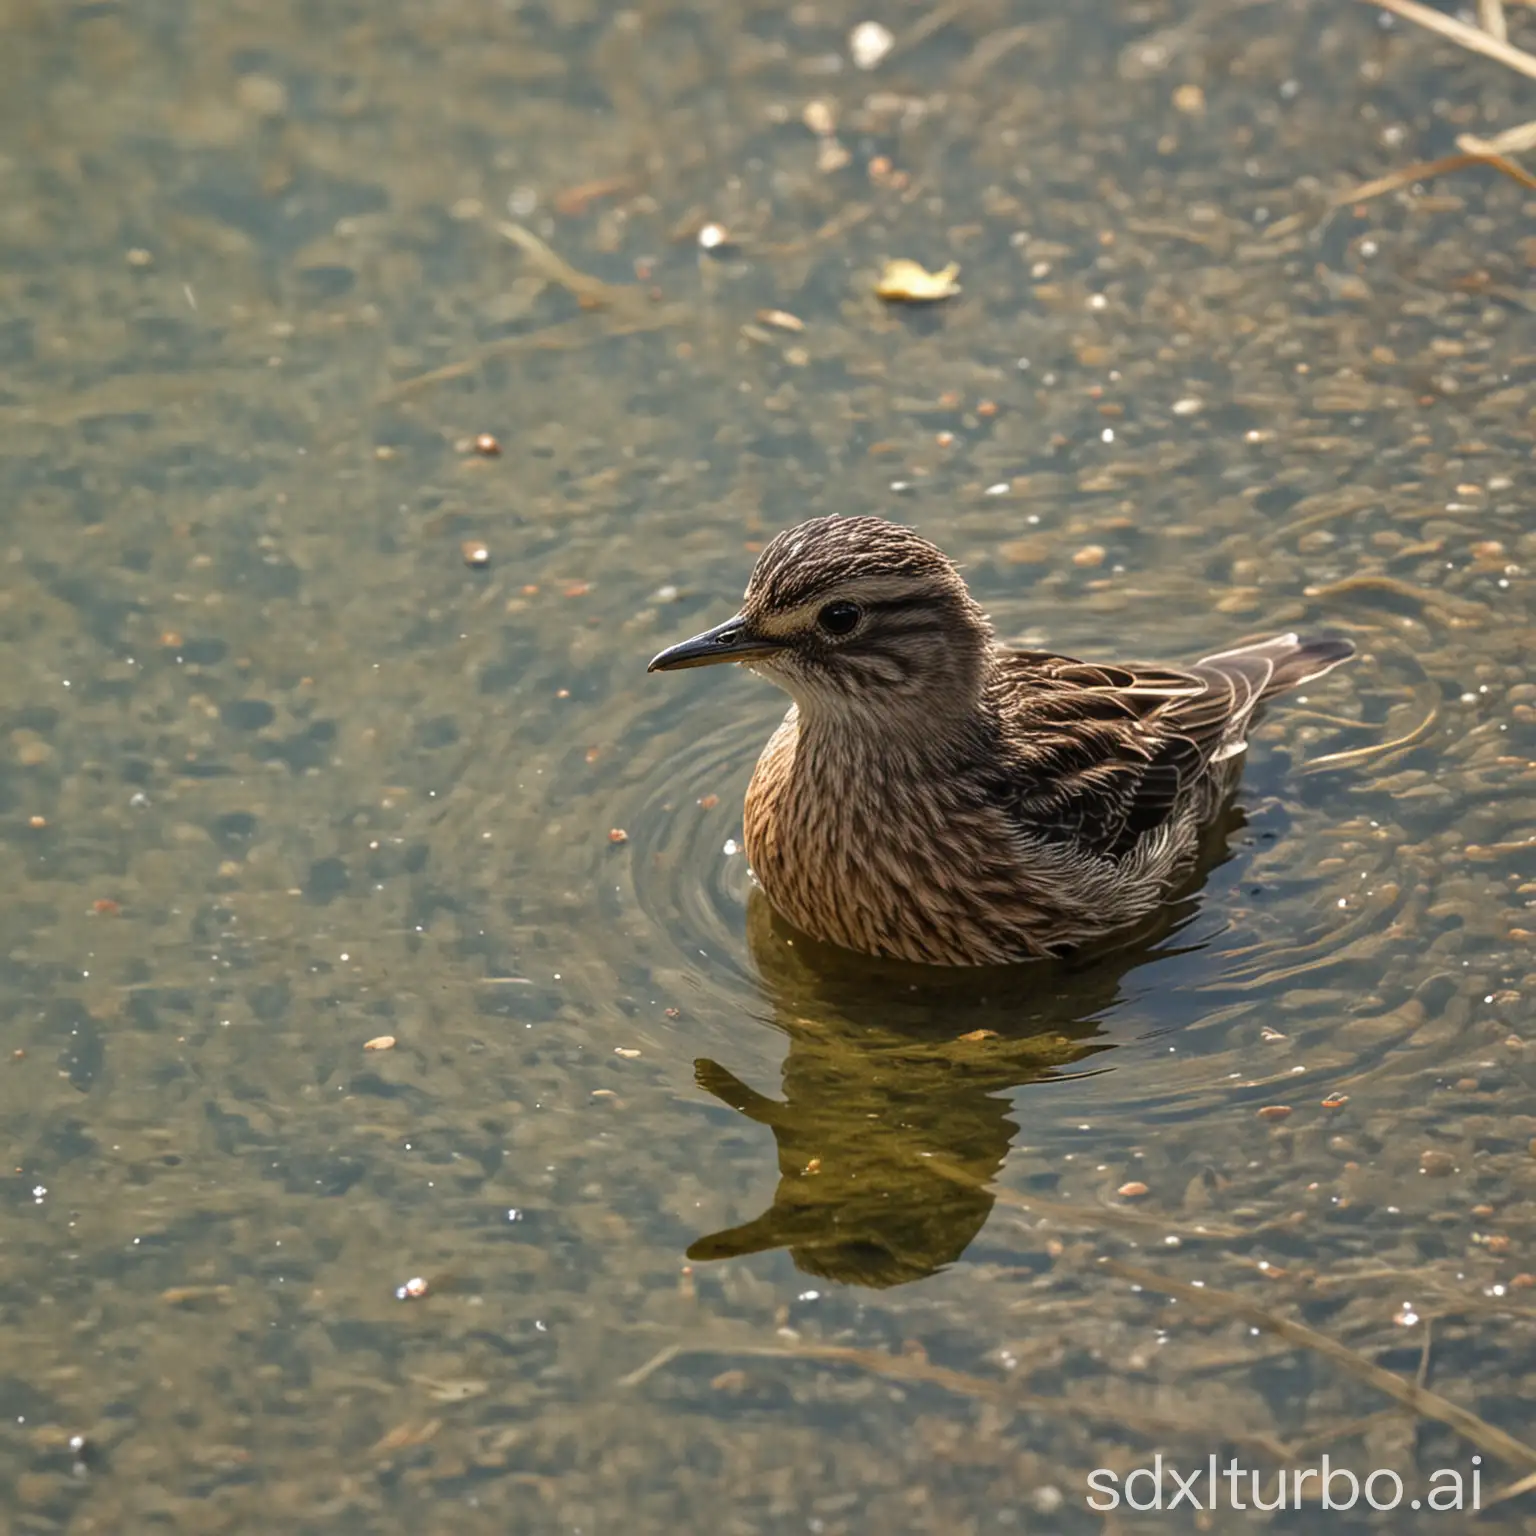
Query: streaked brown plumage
point(933, 797)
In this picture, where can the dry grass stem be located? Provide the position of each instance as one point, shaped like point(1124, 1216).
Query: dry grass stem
point(925, 26)
point(586, 288)
point(1474, 39)
point(565, 337)
point(851, 216)
point(630, 308)
point(917, 1368)
point(1513, 1491)
point(1513, 141)
point(1393, 586)
point(1490, 17)
point(1491, 39)
point(1425, 170)
point(1374, 749)
point(1414, 1396)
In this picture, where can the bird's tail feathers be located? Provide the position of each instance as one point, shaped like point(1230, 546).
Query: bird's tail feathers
point(1285, 662)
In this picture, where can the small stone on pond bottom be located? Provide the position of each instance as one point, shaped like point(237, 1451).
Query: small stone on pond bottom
point(868, 44)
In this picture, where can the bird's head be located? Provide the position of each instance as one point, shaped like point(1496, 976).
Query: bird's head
point(857, 616)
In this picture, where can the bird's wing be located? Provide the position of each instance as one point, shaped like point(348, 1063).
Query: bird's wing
point(1102, 755)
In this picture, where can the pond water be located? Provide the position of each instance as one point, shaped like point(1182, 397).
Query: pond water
point(325, 725)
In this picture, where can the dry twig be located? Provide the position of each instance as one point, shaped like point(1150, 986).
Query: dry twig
point(1414, 1396)
point(916, 1368)
point(1425, 170)
point(1474, 39)
point(1491, 39)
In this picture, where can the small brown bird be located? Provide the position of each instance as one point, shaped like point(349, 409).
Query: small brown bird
point(934, 797)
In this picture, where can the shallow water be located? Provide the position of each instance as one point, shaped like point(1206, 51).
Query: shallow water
point(283, 774)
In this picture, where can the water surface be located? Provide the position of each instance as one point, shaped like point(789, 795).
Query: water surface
point(283, 774)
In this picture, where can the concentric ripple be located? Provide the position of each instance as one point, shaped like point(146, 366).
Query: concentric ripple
point(682, 810)
point(1297, 918)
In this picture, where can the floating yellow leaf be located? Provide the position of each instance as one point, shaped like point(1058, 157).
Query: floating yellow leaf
point(914, 284)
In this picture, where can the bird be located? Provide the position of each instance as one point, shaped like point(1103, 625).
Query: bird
point(935, 797)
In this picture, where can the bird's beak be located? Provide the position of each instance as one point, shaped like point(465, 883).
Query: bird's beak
point(730, 641)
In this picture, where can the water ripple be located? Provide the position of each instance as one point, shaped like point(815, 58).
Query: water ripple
point(682, 812)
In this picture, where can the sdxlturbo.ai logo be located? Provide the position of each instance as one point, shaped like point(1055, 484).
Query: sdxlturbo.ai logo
point(1163, 1486)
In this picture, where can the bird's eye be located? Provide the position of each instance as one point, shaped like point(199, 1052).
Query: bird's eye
point(839, 618)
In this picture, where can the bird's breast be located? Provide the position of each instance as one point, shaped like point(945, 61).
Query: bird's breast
point(854, 849)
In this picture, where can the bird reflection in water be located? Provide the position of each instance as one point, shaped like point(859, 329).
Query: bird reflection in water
point(895, 1115)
